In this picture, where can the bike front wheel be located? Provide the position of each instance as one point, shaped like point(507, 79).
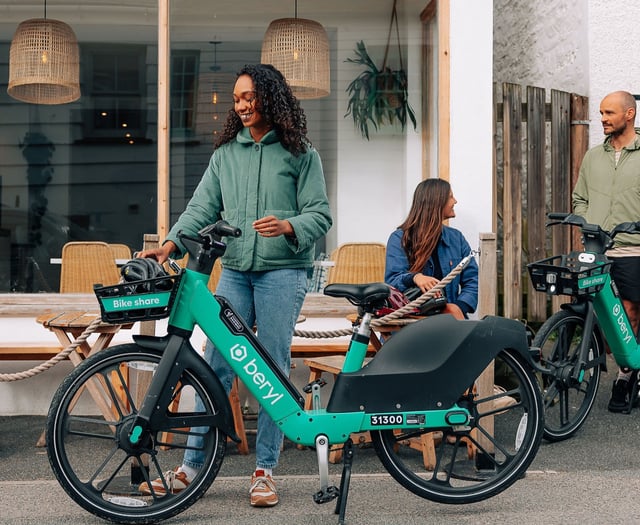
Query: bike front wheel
point(568, 394)
point(88, 425)
point(481, 459)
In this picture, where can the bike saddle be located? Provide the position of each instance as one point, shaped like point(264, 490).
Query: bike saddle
point(367, 296)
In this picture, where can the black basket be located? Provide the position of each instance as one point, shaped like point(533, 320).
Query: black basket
point(569, 275)
point(146, 300)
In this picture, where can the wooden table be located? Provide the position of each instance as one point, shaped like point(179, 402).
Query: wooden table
point(68, 326)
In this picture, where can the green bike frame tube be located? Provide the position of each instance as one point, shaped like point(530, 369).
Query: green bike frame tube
point(615, 324)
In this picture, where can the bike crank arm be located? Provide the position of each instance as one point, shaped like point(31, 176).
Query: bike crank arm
point(326, 493)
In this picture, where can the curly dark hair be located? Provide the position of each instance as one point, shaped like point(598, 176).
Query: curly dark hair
point(277, 105)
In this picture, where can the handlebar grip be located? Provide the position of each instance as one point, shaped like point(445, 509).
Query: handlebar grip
point(225, 229)
point(557, 216)
point(220, 229)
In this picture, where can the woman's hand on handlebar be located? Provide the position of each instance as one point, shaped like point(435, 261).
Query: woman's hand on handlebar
point(160, 254)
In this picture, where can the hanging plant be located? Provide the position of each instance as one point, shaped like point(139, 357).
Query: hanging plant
point(378, 96)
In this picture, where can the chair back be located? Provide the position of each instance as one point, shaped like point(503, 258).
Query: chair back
point(357, 263)
point(120, 251)
point(85, 264)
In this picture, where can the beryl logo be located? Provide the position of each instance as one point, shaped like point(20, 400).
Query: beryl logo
point(250, 368)
point(238, 352)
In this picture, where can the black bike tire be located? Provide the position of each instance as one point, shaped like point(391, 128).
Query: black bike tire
point(565, 431)
point(385, 444)
point(77, 490)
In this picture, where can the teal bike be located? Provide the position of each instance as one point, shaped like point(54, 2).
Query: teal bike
point(124, 415)
point(572, 340)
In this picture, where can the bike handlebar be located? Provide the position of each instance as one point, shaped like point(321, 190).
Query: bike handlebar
point(222, 229)
point(594, 238)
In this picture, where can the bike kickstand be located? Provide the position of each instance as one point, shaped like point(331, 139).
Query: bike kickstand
point(345, 480)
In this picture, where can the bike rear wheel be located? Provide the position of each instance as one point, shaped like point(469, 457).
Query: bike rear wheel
point(87, 437)
point(567, 401)
point(505, 431)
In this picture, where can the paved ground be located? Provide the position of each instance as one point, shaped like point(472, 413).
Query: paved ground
point(592, 478)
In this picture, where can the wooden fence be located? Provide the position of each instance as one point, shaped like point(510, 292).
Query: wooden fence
point(539, 145)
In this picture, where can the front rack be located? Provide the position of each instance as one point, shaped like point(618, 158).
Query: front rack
point(578, 273)
point(146, 300)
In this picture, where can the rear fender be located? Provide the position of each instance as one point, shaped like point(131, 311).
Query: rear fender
point(428, 364)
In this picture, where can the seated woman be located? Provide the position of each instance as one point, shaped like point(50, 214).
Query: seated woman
point(423, 250)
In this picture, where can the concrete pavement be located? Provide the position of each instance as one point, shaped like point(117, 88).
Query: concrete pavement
point(592, 478)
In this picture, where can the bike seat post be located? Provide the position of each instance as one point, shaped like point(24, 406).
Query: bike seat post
point(359, 344)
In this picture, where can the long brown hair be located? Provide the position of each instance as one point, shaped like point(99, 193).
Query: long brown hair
point(423, 226)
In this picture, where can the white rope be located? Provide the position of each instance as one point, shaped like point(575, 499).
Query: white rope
point(395, 317)
point(55, 359)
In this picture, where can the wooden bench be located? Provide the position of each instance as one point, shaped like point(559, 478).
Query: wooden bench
point(28, 351)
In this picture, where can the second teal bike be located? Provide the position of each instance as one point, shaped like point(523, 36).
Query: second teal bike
point(572, 341)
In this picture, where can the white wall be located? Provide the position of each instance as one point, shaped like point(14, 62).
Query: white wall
point(383, 172)
point(542, 44)
point(614, 34)
point(471, 147)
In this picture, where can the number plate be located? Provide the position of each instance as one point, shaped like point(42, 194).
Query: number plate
point(386, 419)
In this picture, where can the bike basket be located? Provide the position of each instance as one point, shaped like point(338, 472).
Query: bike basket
point(138, 300)
point(569, 274)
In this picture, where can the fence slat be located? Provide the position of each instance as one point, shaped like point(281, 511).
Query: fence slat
point(512, 201)
point(536, 195)
point(579, 137)
point(560, 173)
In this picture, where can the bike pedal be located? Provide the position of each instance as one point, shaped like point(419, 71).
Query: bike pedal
point(326, 495)
point(320, 382)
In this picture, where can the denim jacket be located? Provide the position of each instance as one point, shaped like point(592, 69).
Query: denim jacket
point(452, 248)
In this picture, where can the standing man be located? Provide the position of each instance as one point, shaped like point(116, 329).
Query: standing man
point(608, 193)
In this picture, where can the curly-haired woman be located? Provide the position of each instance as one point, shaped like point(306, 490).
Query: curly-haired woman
point(423, 250)
point(264, 177)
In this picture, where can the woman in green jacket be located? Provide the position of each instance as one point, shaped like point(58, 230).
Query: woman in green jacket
point(264, 177)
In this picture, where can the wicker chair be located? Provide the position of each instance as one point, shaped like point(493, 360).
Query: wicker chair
point(85, 264)
point(357, 262)
point(120, 251)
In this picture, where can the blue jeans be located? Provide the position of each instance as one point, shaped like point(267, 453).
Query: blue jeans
point(271, 301)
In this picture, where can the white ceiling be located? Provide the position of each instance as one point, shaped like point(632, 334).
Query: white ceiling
point(201, 10)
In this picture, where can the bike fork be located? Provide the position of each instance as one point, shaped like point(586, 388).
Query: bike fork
point(583, 356)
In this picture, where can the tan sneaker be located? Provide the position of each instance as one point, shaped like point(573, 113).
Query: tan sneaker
point(175, 480)
point(263, 490)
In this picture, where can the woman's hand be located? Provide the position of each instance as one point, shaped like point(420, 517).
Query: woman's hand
point(425, 282)
point(270, 226)
point(160, 254)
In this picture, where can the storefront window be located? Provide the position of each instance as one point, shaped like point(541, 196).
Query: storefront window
point(88, 170)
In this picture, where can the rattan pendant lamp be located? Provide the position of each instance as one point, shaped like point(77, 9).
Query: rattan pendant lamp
point(44, 62)
point(299, 48)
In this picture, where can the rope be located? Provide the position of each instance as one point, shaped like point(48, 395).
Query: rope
point(395, 317)
point(55, 359)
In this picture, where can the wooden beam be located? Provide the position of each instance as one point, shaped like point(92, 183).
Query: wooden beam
point(512, 201)
point(164, 57)
point(536, 195)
